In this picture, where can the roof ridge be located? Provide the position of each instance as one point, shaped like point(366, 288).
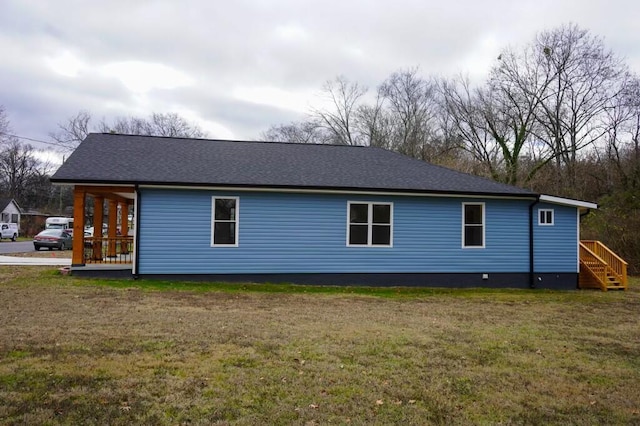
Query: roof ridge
point(231, 140)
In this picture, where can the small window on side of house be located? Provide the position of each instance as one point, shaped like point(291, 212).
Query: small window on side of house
point(224, 221)
point(545, 217)
point(473, 225)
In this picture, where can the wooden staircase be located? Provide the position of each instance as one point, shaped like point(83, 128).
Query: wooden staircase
point(601, 268)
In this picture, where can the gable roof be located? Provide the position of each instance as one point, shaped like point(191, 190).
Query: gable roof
point(4, 203)
point(104, 158)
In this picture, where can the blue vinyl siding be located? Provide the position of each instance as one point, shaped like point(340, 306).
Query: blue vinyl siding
point(556, 246)
point(306, 233)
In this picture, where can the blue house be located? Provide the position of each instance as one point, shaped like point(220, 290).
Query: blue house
point(319, 214)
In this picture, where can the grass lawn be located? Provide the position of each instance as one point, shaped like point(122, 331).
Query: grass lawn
point(81, 351)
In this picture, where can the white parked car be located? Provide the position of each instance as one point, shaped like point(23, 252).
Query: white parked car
point(9, 231)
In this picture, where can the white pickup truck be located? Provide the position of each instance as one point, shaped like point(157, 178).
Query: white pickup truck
point(9, 231)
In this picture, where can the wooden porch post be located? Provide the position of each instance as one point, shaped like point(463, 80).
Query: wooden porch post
point(79, 201)
point(113, 225)
point(98, 219)
point(124, 226)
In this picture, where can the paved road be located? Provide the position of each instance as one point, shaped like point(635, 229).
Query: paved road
point(25, 247)
point(8, 246)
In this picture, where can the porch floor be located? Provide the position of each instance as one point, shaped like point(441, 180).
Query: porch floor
point(103, 270)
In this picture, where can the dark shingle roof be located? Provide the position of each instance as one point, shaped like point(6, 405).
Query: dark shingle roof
point(4, 203)
point(127, 159)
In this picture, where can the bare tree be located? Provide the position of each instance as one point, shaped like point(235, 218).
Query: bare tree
point(76, 128)
point(17, 166)
point(622, 140)
point(374, 124)
point(410, 104)
point(5, 127)
point(158, 124)
point(339, 120)
point(73, 131)
point(583, 80)
point(468, 119)
point(295, 132)
point(38, 192)
point(511, 102)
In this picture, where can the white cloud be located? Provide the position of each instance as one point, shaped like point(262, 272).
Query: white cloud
point(479, 60)
point(66, 64)
point(291, 32)
point(298, 100)
point(142, 77)
point(50, 158)
point(214, 130)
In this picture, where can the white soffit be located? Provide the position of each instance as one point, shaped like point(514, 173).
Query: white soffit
point(567, 202)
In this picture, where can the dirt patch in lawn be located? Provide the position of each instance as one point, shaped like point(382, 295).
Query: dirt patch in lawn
point(78, 351)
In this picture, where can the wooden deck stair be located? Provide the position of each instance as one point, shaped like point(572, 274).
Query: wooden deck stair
point(601, 268)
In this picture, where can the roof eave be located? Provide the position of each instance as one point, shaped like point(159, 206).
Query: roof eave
point(245, 187)
point(567, 202)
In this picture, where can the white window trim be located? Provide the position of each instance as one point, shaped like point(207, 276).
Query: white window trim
point(553, 217)
point(213, 220)
point(484, 226)
point(370, 223)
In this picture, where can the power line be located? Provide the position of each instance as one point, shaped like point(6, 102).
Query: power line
point(30, 139)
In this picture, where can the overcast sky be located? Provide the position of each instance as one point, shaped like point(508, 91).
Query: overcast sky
point(237, 67)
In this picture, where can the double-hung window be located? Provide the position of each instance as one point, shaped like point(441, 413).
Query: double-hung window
point(224, 223)
point(545, 217)
point(473, 225)
point(369, 224)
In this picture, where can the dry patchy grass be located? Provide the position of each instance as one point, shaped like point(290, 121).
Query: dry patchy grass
point(113, 352)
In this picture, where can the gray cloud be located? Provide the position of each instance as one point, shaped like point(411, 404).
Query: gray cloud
point(207, 58)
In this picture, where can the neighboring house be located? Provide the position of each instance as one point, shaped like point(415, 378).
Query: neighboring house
point(11, 211)
point(322, 214)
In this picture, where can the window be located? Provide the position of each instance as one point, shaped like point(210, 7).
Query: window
point(14, 218)
point(545, 217)
point(473, 225)
point(369, 224)
point(224, 226)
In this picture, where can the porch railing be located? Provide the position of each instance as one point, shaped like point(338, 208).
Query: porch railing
point(592, 264)
point(108, 250)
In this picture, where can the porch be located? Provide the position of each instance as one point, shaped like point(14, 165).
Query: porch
point(109, 247)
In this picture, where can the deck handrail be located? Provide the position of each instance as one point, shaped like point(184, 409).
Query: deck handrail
point(588, 258)
point(604, 247)
point(108, 249)
point(616, 265)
